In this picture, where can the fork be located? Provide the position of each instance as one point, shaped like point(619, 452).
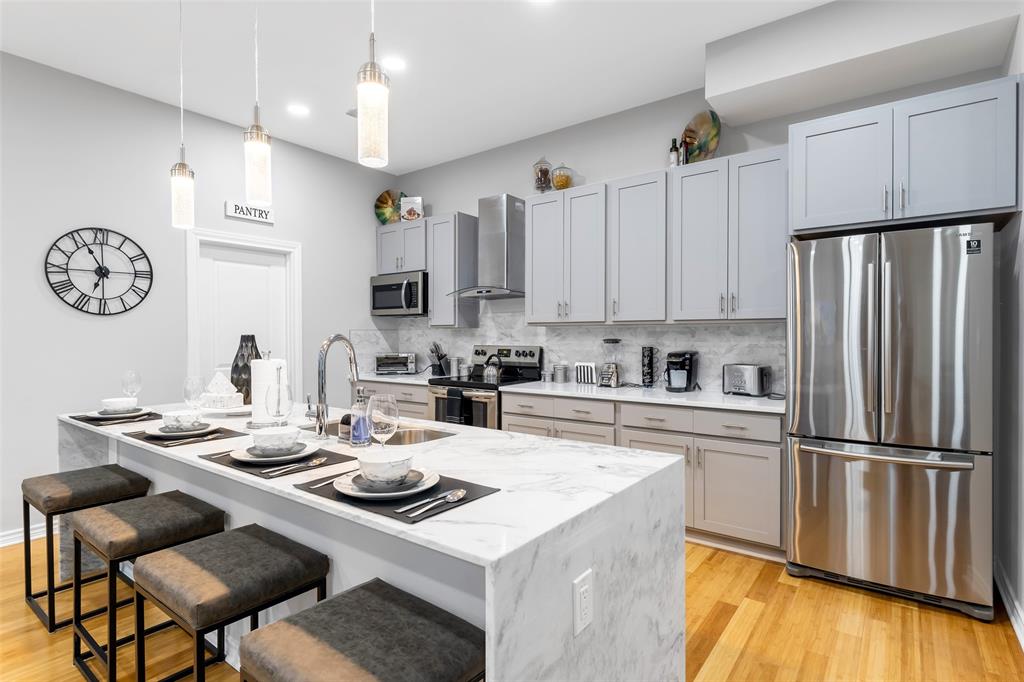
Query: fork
point(192, 441)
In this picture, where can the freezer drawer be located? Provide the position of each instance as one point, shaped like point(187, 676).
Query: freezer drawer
point(911, 520)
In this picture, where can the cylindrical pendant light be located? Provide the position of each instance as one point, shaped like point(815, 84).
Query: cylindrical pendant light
point(257, 142)
point(183, 178)
point(372, 91)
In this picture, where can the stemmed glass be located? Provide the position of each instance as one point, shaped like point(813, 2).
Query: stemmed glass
point(382, 411)
point(279, 403)
point(131, 383)
point(193, 390)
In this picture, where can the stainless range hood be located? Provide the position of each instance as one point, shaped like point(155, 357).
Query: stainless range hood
point(501, 254)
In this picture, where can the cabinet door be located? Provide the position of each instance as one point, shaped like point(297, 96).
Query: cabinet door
point(842, 169)
point(389, 249)
point(545, 258)
point(528, 425)
point(665, 442)
point(700, 237)
point(441, 264)
point(636, 245)
point(737, 490)
point(757, 234)
point(414, 245)
point(587, 433)
point(411, 410)
point(956, 150)
point(584, 253)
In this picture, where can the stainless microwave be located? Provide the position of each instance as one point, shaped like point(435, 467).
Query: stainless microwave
point(404, 293)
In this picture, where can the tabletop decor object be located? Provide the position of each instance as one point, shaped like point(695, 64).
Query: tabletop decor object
point(412, 208)
point(241, 367)
point(98, 271)
point(561, 177)
point(542, 175)
point(700, 137)
point(387, 207)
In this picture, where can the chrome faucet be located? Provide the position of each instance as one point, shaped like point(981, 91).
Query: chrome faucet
point(321, 379)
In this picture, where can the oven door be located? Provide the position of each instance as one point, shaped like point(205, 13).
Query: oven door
point(478, 408)
point(401, 294)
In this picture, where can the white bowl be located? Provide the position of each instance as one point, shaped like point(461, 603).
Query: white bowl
point(181, 419)
point(384, 465)
point(275, 438)
point(122, 404)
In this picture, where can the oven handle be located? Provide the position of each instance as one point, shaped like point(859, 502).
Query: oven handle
point(887, 459)
point(483, 396)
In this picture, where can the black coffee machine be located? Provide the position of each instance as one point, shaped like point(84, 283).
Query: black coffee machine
point(681, 371)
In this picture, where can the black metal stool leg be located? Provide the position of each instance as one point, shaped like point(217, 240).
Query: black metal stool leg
point(321, 590)
point(76, 592)
point(140, 638)
point(51, 620)
point(112, 568)
point(254, 621)
point(28, 550)
point(199, 657)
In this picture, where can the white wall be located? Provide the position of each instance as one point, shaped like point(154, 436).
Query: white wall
point(77, 153)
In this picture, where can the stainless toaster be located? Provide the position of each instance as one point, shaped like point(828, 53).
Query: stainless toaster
point(753, 380)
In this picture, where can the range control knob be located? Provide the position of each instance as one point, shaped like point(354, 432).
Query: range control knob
point(531, 353)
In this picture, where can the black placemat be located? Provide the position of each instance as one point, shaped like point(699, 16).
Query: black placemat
point(387, 507)
point(221, 434)
point(256, 468)
point(95, 421)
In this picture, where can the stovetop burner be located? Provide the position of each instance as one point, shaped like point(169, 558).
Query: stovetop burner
point(519, 364)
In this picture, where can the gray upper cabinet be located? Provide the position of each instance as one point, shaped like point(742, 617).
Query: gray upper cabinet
point(451, 265)
point(758, 234)
point(700, 231)
point(956, 150)
point(842, 169)
point(545, 257)
point(636, 248)
point(402, 247)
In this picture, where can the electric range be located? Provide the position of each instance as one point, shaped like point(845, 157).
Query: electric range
point(477, 402)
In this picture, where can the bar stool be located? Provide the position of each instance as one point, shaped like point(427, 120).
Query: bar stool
point(62, 493)
point(207, 584)
point(121, 532)
point(372, 632)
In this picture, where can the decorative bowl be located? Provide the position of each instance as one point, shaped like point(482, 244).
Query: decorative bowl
point(275, 438)
point(384, 466)
point(122, 404)
point(181, 420)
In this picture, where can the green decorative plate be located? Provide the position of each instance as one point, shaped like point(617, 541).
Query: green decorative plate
point(387, 206)
point(701, 136)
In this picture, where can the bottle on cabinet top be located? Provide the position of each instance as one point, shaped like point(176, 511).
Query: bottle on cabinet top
point(673, 154)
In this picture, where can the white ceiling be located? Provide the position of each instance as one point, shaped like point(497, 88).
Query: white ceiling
point(480, 74)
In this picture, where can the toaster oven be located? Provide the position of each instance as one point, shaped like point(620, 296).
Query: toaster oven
point(394, 363)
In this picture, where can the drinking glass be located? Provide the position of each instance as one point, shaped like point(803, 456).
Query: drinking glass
point(131, 383)
point(193, 391)
point(279, 403)
point(382, 411)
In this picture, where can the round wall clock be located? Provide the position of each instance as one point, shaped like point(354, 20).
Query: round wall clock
point(98, 271)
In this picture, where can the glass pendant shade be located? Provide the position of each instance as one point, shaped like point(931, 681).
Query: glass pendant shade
point(372, 92)
point(257, 164)
point(183, 195)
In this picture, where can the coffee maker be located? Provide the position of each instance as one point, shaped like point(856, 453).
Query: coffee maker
point(681, 371)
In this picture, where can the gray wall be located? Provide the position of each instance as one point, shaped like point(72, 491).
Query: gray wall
point(78, 153)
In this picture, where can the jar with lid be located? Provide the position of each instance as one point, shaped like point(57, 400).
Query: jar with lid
point(561, 177)
point(542, 175)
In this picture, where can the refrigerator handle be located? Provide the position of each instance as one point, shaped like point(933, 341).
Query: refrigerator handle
point(887, 337)
point(887, 459)
point(872, 389)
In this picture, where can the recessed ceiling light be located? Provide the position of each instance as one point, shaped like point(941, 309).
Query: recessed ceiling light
point(393, 63)
point(298, 110)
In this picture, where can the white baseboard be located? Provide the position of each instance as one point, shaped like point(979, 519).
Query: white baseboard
point(1014, 607)
point(738, 546)
point(16, 535)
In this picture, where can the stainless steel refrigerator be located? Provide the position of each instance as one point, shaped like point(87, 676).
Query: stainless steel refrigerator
point(890, 369)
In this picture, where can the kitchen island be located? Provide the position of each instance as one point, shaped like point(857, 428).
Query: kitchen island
point(505, 563)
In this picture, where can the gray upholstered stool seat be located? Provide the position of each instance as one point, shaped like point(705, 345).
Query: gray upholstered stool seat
point(371, 632)
point(56, 493)
point(214, 578)
point(146, 524)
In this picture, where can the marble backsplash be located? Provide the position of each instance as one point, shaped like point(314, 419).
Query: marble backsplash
point(762, 343)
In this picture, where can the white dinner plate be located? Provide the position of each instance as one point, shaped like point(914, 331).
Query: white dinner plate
point(344, 485)
point(227, 411)
point(249, 458)
point(137, 412)
point(156, 432)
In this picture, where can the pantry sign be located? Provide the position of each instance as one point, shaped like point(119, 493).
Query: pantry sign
point(244, 211)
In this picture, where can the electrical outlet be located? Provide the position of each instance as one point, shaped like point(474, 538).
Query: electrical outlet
point(583, 601)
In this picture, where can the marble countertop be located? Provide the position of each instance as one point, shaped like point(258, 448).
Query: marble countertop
point(544, 482)
point(701, 399)
point(408, 379)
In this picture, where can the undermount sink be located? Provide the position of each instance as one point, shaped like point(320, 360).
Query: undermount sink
point(403, 436)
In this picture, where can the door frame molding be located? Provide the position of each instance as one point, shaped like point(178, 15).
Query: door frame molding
point(292, 251)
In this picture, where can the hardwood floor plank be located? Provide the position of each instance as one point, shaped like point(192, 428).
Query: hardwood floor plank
point(701, 640)
point(730, 645)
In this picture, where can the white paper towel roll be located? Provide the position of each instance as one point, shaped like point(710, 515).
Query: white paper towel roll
point(264, 375)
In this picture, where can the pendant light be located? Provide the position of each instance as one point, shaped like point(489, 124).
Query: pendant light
point(372, 90)
point(257, 141)
point(183, 178)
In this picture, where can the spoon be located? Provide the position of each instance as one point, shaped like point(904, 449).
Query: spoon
point(453, 496)
point(274, 471)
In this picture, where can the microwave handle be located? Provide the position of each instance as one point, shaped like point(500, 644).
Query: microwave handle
point(405, 285)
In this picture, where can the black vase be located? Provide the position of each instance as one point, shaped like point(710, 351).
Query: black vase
point(241, 370)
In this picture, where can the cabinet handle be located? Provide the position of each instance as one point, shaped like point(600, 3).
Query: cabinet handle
point(655, 419)
point(396, 262)
point(903, 195)
point(734, 426)
point(721, 304)
point(885, 198)
point(687, 454)
point(580, 411)
point(567, 309)
point(734, 302)
point(700, 458)
point(559, 308)
point(525, 406)
point(615, 306)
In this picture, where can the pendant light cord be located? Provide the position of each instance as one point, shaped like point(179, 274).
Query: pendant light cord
point(372, 12)
point(256, 53)
point(181, 79)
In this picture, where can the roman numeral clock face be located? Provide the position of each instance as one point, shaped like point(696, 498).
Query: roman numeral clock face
point(98, 271)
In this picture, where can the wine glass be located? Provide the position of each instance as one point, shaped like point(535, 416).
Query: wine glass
point(193, 390)
point(131, 383)
point(382, 411)
point(278, 401)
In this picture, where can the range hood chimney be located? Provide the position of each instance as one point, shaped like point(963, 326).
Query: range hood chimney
point(501, 254)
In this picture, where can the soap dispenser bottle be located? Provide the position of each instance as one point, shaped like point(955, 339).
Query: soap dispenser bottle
point(359, 425)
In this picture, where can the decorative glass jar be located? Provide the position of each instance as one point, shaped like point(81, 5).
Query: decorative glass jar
point(542, 175)
point(561, 177)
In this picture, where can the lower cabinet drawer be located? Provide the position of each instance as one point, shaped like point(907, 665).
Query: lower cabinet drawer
point(738, 425)
point(403, 392)
point(536, 405)
point(656, 417)
point(528, 425)
point(588, 433)
point(601, 411)
point(412, 410)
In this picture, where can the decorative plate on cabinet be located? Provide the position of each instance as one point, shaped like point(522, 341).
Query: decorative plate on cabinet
point(388, 206)
point(701, 136)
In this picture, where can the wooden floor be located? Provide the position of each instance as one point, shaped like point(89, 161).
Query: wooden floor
point(746, 619)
